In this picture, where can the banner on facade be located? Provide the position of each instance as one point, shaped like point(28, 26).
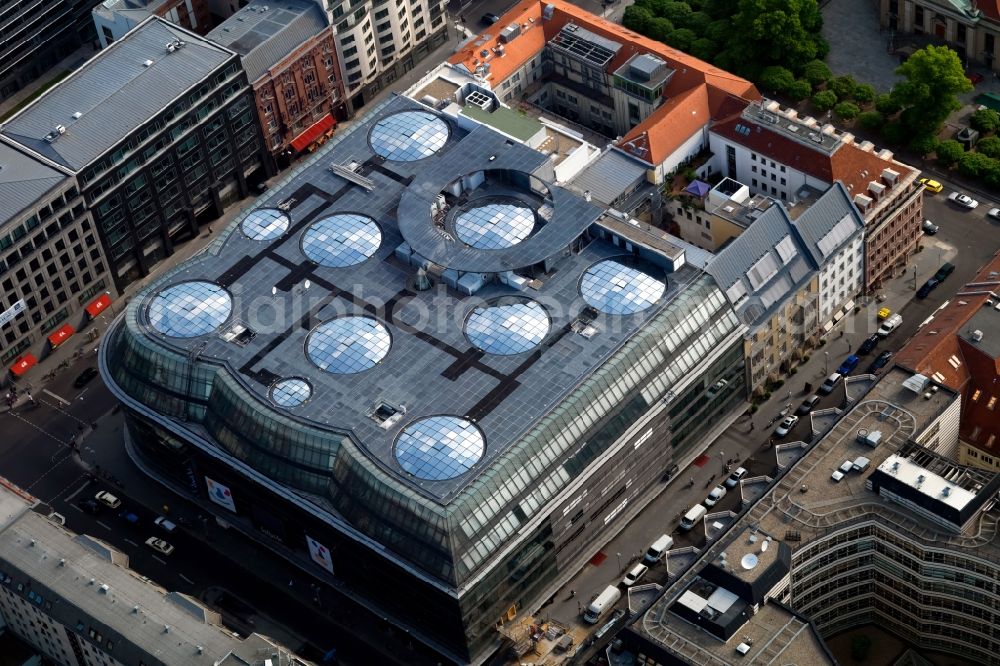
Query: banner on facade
point(220, 494)
point(320, 554)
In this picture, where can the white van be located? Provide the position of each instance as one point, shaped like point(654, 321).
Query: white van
point(660, 546)
point(692, 517)
point(889, 325)
point(601, 603)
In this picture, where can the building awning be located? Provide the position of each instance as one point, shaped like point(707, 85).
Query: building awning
point(98, 305)
point(62, 335)
point(23, 364)
point(302, 141)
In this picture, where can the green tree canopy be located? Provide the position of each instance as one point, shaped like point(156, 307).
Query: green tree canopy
point(975, 165)
point(816, 73)
point(985, 120)
point(933, 79)
point(843, 86)
point(799, 90)
point(824, 100)
point(681, 39)
point(949, 152)
point(779, 32)
point(847, 110)
point(871, 120)
point(865, 93)
point(704, 48)
point(887, 105)
point(923, 145)
point(776, 79)
point(989, 146)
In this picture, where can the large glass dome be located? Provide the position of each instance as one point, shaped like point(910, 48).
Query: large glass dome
point(341, 240)
point(189, 309)
point(290, 392)
point(264, 224)
point(494, 226)
point(614, 287)
point(439, 447)
point(507, 329)
point(348, 345)
point(408, 136)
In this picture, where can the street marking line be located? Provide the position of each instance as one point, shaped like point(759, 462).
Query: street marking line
point(73, 506)
point(132, 542)
point(60, 399)
point(188, 580)
point(76, 492)
point(103, 525)
point(163, 562)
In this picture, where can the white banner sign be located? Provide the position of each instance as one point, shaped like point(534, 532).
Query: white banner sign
point(320, 554)
point(11, 312)
point(220, 494)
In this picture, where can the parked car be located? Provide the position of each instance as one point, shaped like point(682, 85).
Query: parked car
point(930, 228)
point(129, 518)
point(884, 313)
point(931, 185)
point(963, 200)
point(994, 213)
point(84, 377)
point(943, 272)
point(89, 506)
point(842, 471)
point(830, 383)
point(889, 325)
point(634, 574)
point(735, 477)
point(489, 18)
point(786, 425)
point(807, 405)
point(868, 345)
point(926, 288)
point(718, 386)
point(159, 545)
point(880, 362)
point(717, 494)
point(849, 364)
point(107, 499)
point(165, 524)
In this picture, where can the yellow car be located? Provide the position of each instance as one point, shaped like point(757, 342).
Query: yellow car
point(884, 313)
point(931, 185)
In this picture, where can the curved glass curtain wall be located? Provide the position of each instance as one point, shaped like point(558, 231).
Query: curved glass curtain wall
point(538, 463)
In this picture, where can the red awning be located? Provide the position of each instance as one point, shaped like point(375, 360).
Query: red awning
point(62, 335)
point(23, 364)
point(98, 305)
point(302, 141)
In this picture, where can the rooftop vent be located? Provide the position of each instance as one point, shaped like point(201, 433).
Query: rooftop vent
point(547, 12)
point(104, 588)
point(946, 491)
point(510, 33)
point(977, 335)
point(32, 543)
point(62, 562)
point(147, 63)
point(166, 628)
point(77, 115)
point(174, 45)
point(135, 610)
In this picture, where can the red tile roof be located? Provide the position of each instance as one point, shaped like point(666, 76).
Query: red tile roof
point(696, 86)
point(990, 8)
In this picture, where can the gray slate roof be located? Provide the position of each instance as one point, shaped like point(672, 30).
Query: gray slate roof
point(263, 37)
point(57, 565)
point(23, 181)
point(610, 175)
point(115, 93)
point(831, 217)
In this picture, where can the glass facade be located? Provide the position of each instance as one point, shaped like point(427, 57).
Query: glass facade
point(646, 404)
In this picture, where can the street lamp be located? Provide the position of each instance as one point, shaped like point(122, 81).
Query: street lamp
point(826, 363)
point(619, 556)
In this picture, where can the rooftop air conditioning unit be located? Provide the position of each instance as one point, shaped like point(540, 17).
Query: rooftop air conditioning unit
point(977, 335)
point(147, 63)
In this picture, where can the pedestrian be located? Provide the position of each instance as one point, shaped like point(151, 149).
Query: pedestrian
point(572, 593)
point(751, 426)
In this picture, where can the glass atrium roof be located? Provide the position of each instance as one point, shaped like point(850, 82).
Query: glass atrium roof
point(264, 224)
point(290, 392)
point(439, 447)
point(189, 309)
point(348, 345)
point(494, 226)
point(408, 136)
point(614, 287)
point(341, 240)
point(507, 329)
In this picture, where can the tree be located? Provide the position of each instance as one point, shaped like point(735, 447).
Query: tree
point(824, 100)
point(776, 32)
point(985, 120)
point(865, 93)
point(990, 146)
point(843, 86)
point(894, 133)
point(638, 18)
point(799, 90)
point(949, 152)
point(847, 110)
point(776, 79)
point(933, 78)
point(704, 49)
point(871, 120)
point(681, 39)
point(886, 105)
point(816, 73)
point(924, 145)
point(992, 177)
point(975, 165)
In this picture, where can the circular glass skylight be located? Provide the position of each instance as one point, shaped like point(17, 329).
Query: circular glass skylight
point(507, 329)
point(614, 287)
point(190, 309)
point(494, 226)
point(408, 136)
point(264, 224)
point(341, 240)
point(348, 345)
point(439, 447)
point(290, 392)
